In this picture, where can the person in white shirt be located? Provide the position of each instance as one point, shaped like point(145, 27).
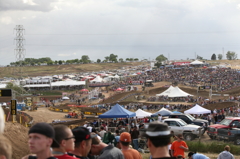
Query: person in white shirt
point(160, 117)
point(102, 132)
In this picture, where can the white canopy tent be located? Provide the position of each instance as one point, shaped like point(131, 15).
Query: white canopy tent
point(197, 109)
point(196, 62)
point(67, 83)
point(174, 92)
point(141, 113)
point(163, 112)
point(97, 80)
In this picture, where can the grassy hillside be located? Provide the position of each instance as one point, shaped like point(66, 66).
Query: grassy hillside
point(33, 71)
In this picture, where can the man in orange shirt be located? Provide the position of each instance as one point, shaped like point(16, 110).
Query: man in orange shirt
point(179, 146)
point(125, 140)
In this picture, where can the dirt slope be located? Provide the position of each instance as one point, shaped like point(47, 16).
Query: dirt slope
point(18, 136)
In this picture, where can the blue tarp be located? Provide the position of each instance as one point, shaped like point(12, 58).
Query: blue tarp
point(117, 111)
point(176, 112)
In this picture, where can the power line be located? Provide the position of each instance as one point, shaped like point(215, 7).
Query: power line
point(171, 45)
point(161, 33)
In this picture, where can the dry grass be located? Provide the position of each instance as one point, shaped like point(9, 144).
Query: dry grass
point(33, 71)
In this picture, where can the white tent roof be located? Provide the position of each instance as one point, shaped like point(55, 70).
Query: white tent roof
point(97, 79)
point(196, 62)
point(197, 109)
point(174, 92)
point(3, 85)
point(67, 83)
point(141, 113)
point(37, 85)
point(163, 112)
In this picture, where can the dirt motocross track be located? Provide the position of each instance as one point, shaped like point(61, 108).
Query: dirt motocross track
point(17, 133)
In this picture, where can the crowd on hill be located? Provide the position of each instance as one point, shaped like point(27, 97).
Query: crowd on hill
point(221, 79)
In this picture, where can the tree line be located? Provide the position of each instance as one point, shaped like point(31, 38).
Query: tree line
point(230, 55)
point(83, 60)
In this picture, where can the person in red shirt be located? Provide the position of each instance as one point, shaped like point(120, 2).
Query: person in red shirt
point(179, 146)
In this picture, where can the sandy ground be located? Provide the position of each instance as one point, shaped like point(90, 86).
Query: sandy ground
point(45, 115)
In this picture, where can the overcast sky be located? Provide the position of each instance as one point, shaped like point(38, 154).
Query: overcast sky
point(68, 29)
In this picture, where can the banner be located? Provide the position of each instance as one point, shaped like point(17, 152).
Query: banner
point(14, 107)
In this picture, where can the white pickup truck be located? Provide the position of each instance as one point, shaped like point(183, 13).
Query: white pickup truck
point(189, 131)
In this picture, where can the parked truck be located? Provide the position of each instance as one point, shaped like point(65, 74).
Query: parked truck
point(189, 119)
point(189, 131)
point(228, 122)
point(230, 134)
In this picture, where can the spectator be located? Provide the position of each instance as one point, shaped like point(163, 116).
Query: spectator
point(125, 140)
point(134, 136)
point(158, 135)
point(173, 138)
point(2, 124)
point(194, 155)
point(41, 136)
point(63, 142)
point(5, 148)
point(83, 141)
point(226, 153)
point(179, 146)
point(117, 138)
point(105, 151)
point(159, 117)
point(102, 132)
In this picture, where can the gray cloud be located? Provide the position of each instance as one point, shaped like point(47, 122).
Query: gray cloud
point(128, 28)
point(33, 5)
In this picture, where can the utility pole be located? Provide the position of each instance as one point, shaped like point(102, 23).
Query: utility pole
point(223, 52)
point(19, 53)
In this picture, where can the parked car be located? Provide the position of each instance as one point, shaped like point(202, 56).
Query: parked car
point(189, 119)
point(228, 122)
point(189, 131)
point(230, 134)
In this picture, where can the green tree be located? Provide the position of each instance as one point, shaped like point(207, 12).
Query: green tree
point(113, 57)
point(161, 58)
point(231, 55)
point(214, 57)
point(16, 88)
point(136, 59)
point(60, 62)
point(199, 57)
point(158, 64)
point(107, 58)
point(85, 59)
point(50, 63)
point(98, 60)
point(127, 59)
point(121, 60)
point(220, 56)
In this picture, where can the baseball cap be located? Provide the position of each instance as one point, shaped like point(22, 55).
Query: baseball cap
point(44, 129)
point(82, 133)
point(125, 137)
point(156, 129)
point(190, 154)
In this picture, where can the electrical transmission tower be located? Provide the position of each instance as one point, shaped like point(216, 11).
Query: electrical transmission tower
point(19, 50)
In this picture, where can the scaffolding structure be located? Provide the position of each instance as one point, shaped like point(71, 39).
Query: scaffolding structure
point(19, 50)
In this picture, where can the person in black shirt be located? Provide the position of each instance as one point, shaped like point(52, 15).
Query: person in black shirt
point(83, 142)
